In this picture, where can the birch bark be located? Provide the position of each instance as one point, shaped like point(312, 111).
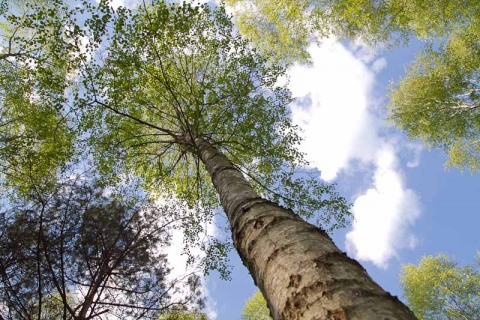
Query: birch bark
point(296, 265)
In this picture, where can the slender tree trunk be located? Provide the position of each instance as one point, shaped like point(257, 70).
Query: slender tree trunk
point(300, 271)
point(103, 272)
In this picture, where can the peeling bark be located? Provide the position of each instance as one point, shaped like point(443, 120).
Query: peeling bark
point(296, 265)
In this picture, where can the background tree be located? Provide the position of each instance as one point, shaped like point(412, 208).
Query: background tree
point(438, 101)
point(41, 49)
point(256, 308)
point(184, 315)
point(77, 253)
point(439, 289)
point(31, 92)
point(286, 30)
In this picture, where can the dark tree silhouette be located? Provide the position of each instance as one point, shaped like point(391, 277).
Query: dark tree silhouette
point(83, 252)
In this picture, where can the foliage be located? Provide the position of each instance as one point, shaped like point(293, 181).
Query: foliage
point(175, 72)
point(31, 93)
point(85, 252)
point(133, 98)
point(437, 102)
point(287, 28)
point(41, 50)
point(183, 315)
point(256, 308)
point(439, 289)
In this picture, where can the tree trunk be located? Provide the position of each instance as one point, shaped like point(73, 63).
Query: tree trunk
point(298, 268)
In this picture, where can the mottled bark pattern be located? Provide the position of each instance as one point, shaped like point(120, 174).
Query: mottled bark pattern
point(301, 272)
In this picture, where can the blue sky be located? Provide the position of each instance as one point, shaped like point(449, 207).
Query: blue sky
point(406, 204)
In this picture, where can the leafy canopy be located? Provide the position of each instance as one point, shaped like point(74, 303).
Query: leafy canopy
point(286, 28)
point(437, 102)
point(175, 72)
point(256, 308)
point(42, 47)
point(438, 289)
point(31, 92)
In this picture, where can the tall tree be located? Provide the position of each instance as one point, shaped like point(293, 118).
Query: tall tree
point(439, 289)
point(76, 253)
point(177, 90)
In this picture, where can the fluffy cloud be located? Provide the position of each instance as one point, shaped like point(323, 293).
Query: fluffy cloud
point(383, 214)
point(338, 126)
point(343, 134)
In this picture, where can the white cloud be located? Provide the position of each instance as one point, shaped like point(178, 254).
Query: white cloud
point(342, 134)
point(378, 65)
point(117, 3)
point(383, 214)
point(362, 52)
point(338, 126)
point(415, 150)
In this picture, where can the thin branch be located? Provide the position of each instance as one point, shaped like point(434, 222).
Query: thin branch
point(169, 132)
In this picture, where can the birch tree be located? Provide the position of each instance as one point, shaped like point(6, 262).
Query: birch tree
point(177, 98)
point(181, 100)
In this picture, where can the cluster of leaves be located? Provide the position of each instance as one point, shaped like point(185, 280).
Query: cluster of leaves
point(256, 308)
point(286, 29)
point(80, 253)
point(439, 289)
point(437, 102)
point(42, 49)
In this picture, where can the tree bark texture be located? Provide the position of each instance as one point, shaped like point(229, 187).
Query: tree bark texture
point(298, 268)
